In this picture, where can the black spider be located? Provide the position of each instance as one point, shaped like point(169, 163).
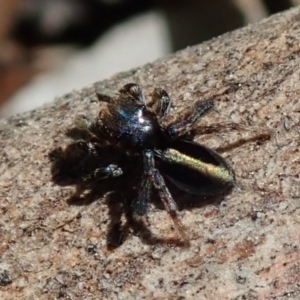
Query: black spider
point(143, 137)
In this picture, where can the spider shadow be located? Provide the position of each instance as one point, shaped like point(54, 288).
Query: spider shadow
point(69, 167)
point(189, 201)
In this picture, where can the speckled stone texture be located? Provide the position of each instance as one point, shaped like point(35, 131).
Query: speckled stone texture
point(245, 245)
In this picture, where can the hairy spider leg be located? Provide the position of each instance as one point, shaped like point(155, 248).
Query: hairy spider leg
point(134, 92)
point(102, 173)
point(228, 127)
point(88, 147)
point(189, 117)
point(160, 98)
point(108, 171)
point(160, 102)
point(140, 204)
point(159, 183)
point(83, 123)
point(259, 133)
point(107, 95)
point(130, 90)
point(92, 128)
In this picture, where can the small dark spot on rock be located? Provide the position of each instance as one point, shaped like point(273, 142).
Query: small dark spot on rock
point(241, 279)
point(210, 241)
point(63, 294)
point(91, 249)
point(183, 283)
point(254, 216)
point(5, 278)
point(161, 282)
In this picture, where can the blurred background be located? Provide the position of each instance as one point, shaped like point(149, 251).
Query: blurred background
point(50, 47)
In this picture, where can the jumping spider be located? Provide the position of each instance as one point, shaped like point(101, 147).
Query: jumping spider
point(150, 140)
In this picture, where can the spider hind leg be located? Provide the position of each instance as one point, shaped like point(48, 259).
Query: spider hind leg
point(153, 176)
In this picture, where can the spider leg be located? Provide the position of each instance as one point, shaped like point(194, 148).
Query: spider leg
point(160, 102)
point(130, 90)
point(98, 174)
point(228, 127)
point(107, 95)
point(258, 133)
point(169, 203)
point(159, 183)
point(109, 170)
point(189, 117)
point(87, 147)
point(83, 123)
point(93, 128)
point(133, 91)
point(102, 173)
point(140, 204)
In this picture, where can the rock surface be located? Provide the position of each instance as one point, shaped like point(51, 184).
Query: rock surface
point(246, 245)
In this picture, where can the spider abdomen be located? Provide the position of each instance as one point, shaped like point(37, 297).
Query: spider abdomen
point(195, 168)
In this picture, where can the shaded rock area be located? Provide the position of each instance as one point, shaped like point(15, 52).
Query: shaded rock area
point(244, 245)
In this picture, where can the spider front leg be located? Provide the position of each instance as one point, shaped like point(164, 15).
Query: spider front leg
point(228, 127)
point(153, 176)
point(189, 117)
point(259, 133)
point(160, 102)
point(95, 128)
point(87, 148)
point(102, 173)
point(99, 174)
point(110, 170)
point(107, 95)
point(91, 127)
point(133, 91)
